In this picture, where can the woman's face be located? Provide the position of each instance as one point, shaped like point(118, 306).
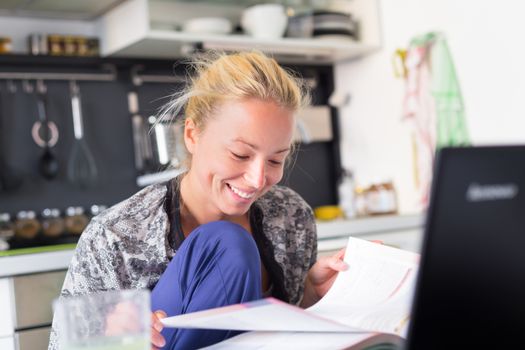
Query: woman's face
point(239, 155)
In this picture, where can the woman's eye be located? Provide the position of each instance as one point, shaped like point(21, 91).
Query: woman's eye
point(276, 162)
point(239, 156)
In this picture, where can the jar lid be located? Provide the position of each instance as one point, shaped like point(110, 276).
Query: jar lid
point(51, 213)
point(79, 210)
point(70, 211)
point(21, 214)
point(97, 209)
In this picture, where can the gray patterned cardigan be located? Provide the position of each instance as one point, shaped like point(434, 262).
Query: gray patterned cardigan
point(128, 245)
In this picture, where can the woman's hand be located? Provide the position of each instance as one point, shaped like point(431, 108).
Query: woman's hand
point(157, 340)
point(321, 277)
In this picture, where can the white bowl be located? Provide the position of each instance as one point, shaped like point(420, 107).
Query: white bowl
point(264, 21)
point(207, 25)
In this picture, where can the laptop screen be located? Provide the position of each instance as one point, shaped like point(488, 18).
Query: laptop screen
point(471, 285)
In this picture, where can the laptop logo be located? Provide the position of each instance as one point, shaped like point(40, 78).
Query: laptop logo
point(482, 193)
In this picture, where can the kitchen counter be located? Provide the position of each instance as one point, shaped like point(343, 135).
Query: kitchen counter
point(36, 262)
point(398, 230)
point(368, 225)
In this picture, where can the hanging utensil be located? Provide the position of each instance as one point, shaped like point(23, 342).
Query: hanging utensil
point(48, 164)
point(144, 162)
point(10, 180)
point(81, 168)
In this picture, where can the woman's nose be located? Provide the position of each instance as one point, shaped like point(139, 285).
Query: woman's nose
point(256, 174)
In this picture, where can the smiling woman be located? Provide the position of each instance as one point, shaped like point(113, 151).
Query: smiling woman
point(223, 232)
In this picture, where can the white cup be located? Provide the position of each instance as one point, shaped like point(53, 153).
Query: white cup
point(264, 21)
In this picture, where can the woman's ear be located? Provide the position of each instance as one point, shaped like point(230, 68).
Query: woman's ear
point(190, 135)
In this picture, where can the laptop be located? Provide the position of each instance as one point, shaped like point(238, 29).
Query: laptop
point(470, 291)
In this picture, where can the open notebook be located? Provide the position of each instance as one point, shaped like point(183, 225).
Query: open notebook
point(368, 304)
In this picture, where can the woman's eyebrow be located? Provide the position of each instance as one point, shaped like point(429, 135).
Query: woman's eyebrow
point(254, 147)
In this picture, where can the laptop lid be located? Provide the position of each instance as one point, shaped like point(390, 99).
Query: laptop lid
point(470, 291)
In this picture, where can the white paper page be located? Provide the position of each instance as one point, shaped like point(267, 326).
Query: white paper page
point(375, 292)
point(290, 341)
point(262, 315)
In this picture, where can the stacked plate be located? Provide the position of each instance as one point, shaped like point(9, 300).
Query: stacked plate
point(334, 24)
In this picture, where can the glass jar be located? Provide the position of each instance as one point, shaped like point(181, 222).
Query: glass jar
point(381, 198)
point(26, 225)
point(82, 46)
point(7, 228)
point(97, 209)
point(346, 191)
point(6, 45)
point(52, 224)
point(76, 221)
point(70, 46)
point(55, 45)
point(360, 201)
point(93, 47)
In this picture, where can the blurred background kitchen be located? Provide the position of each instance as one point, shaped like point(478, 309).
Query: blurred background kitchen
point(81, 83)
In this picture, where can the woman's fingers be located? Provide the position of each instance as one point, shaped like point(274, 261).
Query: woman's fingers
point(336, 261)
point(157, 340)
point(337, 264)
point(340, 254)
point(155, 320)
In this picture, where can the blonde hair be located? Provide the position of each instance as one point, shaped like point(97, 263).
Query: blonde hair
point(221, 77)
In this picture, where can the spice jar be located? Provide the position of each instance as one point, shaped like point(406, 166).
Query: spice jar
point(37, 44)
point(70, 46)
point(346, 191)
point(55, 45)
point(360, 201)
point(97, 209)
point(52, 224)
point(7, 228)
point(381, 198)
point(5, 45)
point(93, 47)
point(76, 221)
point(82, 46)
point(26, 225)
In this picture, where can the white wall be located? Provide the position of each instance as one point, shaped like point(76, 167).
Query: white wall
point(487, 42)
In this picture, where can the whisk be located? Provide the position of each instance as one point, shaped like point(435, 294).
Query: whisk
point(81, 167)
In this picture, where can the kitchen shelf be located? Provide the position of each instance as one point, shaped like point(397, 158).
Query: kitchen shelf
point(163, 44)
point(137, 28)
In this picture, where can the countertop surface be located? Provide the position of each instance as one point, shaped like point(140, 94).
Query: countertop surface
point(336, 230)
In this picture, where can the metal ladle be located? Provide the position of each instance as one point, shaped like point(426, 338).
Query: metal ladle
point(48, 164)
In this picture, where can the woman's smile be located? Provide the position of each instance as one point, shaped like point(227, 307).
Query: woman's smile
point(240, 193)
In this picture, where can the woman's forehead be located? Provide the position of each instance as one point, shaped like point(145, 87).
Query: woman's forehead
point(253, 122)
